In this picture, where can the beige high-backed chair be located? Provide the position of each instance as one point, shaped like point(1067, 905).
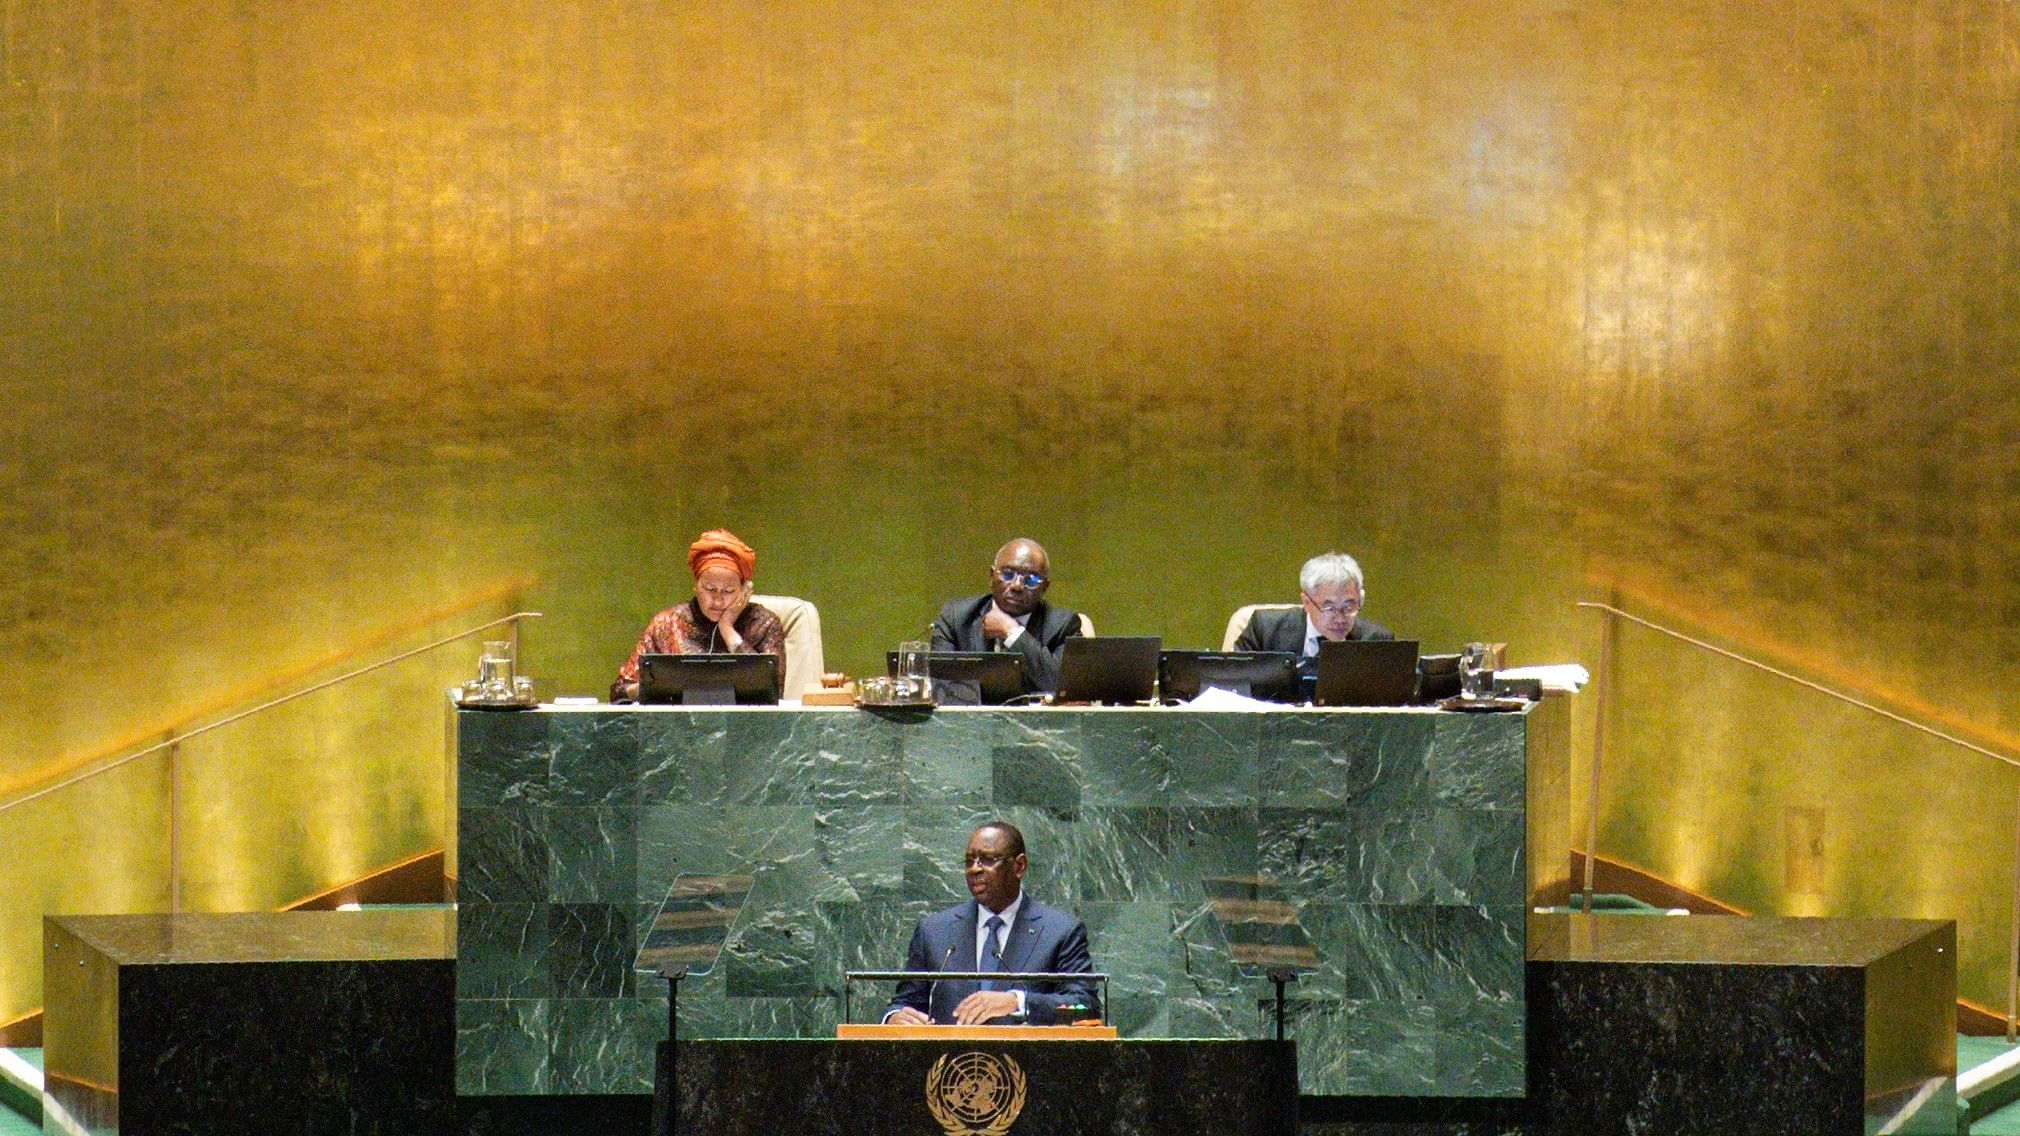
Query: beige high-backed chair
point(1238, 622)
point(1086, 624)
point(804, 658)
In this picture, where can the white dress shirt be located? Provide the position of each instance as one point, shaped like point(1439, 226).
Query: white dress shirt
point(1009, 915)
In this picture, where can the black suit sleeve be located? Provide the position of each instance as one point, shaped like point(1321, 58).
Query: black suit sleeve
point(1250, 639)
point(1042, 1008)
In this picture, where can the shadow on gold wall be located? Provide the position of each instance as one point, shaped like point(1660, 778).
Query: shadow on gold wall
point(315, 321)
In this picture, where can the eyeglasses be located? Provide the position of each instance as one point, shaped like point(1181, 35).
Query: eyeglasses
point(1032, 580)
point(714, 592)
point(987, 863)
point(1337, 608)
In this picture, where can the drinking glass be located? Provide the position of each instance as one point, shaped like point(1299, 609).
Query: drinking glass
point(913, 668)
point(1476, 672)
point(496, 668)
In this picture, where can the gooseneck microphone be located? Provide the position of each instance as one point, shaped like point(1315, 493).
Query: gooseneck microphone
point(934, 984)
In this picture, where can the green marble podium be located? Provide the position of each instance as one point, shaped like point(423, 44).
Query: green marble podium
point(1386, 849)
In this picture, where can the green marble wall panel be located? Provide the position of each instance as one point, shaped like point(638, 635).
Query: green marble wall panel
point(1394, 839)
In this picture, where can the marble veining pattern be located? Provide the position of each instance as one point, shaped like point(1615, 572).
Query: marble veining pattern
point(1390, 845)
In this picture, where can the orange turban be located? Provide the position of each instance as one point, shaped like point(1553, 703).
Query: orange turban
point(721, 546)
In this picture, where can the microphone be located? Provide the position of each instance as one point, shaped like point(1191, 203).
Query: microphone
point(935, 982)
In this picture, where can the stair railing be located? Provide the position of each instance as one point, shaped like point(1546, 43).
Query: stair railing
point(1614, 616)
point(174, 737)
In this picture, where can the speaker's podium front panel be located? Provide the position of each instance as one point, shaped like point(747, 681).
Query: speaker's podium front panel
point(1383, 849)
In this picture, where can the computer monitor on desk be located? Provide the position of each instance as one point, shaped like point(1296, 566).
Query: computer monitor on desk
point(1367, 672)
point(708, 680)
point(1271, 676)
point(1116, 669)
point(968, 677)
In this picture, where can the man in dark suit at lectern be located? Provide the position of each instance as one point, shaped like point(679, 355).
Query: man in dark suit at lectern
point(1013, 616)
point(1329, 607)
point(1000, 929)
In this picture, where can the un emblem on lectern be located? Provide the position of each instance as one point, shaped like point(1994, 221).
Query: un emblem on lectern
point(975, 1094)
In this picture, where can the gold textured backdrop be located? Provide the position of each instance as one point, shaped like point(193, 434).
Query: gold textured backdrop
point(317, 323)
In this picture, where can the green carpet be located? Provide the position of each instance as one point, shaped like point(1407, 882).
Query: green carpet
point(1975, 1051)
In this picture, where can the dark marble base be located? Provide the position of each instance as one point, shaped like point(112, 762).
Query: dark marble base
point(863, 1088)
point(1818, 1027)
point(214, 1025)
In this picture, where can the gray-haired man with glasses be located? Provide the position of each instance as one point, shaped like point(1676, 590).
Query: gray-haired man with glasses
point(1330, 584)
point(1013, 616)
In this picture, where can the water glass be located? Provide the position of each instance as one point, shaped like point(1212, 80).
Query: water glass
point(496, 668)
point(1476, 672)
point(913, 667)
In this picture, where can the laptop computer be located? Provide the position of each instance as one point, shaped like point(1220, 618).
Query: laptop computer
point(1268, 675)
point(708, 680)
point(964, 677)
point(1366, 672)
point(1116, 669)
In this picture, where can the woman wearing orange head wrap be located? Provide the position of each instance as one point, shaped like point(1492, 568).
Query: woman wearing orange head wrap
point(719, 619)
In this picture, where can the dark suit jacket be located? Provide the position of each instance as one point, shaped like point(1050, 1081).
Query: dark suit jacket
point(1284, 630)
point(959, 628)
point(1042, 938)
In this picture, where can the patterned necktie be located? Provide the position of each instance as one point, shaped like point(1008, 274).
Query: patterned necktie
point(992, 950)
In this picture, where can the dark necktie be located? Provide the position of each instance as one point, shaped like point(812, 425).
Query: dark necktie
point(992, 950)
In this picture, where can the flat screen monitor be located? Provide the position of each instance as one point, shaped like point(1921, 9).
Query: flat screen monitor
point(990, 678)
point(1116, 669)
point(1367, 672)
point(708, 680)
point(1269, 675)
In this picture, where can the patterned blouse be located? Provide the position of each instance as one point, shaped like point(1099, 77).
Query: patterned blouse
point(683, 630)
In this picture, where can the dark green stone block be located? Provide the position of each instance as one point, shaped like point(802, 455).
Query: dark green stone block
point(680, 757)
point(772, 759)
point(1035, 777)
point(1372, 952)
point(1370, 761)
point(1210, 844)
point(501, 951)
point(1479, 761)
point(590, 950)
point(1124, 854)
point(1053, 843)
point(1478, 1049)
point(1119, 762)
point(593, 760)
point(1207, 759)
point(862, 852)
point(604, 1045)
point(1365, 1048)
point(1479, 954)
point(502, 1046)
point(948, 760)
point(502, 855)
point(593, 855)
point(781, 951)
point(860, 763)
point(507, 757)
point(1482, 856)
point(936, 843)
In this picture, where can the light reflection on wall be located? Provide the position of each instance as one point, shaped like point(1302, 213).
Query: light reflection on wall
point(395, 304)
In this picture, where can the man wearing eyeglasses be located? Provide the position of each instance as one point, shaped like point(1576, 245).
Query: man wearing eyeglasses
point(1012, 617)
point(1000, 929)
point(1330, 584)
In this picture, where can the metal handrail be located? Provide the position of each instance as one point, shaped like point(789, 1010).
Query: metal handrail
point(1604, 684)
point(178, 739)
